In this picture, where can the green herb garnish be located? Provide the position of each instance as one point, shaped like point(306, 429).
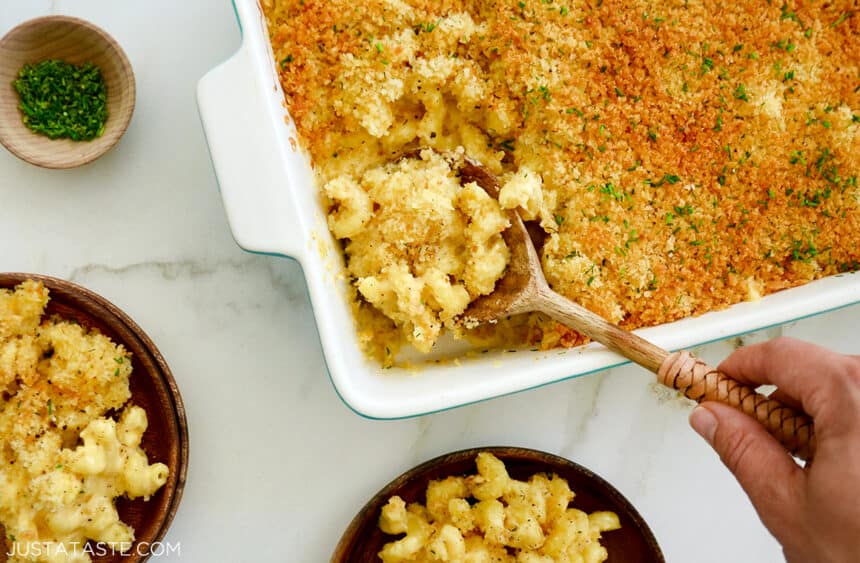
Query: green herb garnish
point(666, 179)
point(427, 27)
point(785, 45)
point(786, 15)
point(841, 19)
point(63, 100)
point(545, 93)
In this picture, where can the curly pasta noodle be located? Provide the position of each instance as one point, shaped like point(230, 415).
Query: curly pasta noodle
point(690, 155)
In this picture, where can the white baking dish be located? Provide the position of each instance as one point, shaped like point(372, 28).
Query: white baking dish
point(273, 207)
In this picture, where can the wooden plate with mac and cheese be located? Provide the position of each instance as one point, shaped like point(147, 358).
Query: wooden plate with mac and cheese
point(498, 504)
point(94, 439)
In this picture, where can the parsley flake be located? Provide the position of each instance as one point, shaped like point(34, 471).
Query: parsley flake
point(62, 100)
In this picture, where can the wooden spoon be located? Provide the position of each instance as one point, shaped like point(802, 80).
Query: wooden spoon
point(524, 289)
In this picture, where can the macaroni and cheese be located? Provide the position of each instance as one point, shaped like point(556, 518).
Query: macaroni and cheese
point(63, 461)
point(681, 157)
point(421, 246)
point(492, 517)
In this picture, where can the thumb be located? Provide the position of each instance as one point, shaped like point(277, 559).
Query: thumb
point(762, 466)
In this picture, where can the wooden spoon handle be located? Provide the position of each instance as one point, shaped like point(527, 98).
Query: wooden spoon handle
point(696, 380)
point(687, 374)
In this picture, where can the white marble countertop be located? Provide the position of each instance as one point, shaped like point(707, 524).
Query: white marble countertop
point(278, 464)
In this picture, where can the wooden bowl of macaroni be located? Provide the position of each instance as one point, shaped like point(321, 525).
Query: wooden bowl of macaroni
point(363, 541)
point(164, 439)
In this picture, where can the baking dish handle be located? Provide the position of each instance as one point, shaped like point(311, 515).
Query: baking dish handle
point(248, 155)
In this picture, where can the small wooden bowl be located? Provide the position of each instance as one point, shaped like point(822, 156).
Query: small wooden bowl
point(633, 543)
point(152, 388)
point(74, 41)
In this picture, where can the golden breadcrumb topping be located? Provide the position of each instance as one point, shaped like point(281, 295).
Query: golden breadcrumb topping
point(690, 154)
point(63, 460)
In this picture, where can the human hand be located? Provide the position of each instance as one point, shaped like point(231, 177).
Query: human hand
point(814, 512)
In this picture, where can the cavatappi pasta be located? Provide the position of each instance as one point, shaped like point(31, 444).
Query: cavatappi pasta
point(490, 517)
point(62, 461)
point(421, 245)
point(681, 157)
